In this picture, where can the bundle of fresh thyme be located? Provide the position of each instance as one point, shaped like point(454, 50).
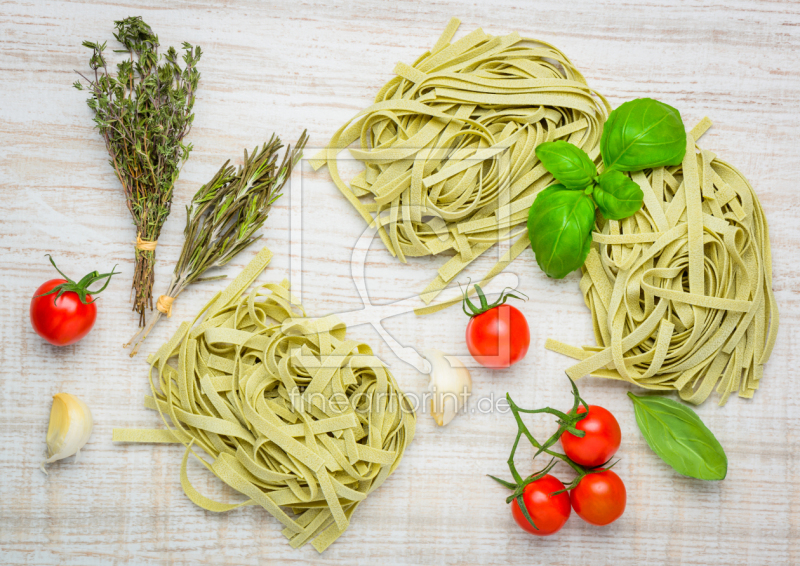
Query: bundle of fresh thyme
point(143, 114)
point(223, 217)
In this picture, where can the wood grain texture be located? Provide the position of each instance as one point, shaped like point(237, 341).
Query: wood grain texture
point(286, 66)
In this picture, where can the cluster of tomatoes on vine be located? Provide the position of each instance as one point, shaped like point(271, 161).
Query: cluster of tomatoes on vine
point(590, 436)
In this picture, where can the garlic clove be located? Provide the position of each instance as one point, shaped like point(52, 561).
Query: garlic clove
point(70, 427)
point(450, 386)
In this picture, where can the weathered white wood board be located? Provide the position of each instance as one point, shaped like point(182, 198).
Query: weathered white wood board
point(286, 66)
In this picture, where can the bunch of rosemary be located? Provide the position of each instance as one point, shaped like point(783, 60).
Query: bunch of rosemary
point(223, 217)
point(143, 114)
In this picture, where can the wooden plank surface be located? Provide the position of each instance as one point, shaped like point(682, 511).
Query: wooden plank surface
point(286, 66)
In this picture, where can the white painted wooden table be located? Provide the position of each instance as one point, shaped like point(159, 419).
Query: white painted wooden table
point(285, 66)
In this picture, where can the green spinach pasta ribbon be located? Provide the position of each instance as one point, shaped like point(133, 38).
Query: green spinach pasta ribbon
point(292, 414)
point(449, 147)
point(681, 292)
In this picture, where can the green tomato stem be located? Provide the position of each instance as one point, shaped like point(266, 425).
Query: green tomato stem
point(81, 288)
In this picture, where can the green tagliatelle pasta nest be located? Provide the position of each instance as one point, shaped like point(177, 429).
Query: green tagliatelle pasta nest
point(449, 147)
point(681, 292)
point(292, 414)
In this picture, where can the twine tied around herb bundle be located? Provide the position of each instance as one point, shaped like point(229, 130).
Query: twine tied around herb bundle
point(145, 245)
point(164, 304)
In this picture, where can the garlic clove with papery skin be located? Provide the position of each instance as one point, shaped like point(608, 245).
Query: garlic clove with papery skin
point(70, 427)
point(450, 386)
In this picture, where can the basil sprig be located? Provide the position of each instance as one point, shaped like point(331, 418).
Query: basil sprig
point(679, 437)
point(569, 164)
point(571, 215)
point(616, 196)
point(640, 134)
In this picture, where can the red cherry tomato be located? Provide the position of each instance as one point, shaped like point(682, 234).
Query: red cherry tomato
point(599, 498)
point(600, 442)
point(64, 321)
point(499, 337)
point(547, 511)
point(63, 311)
point(497, 333)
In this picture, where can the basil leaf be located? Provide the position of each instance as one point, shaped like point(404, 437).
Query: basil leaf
point(641, 134)
point(569, 164)
point(617, 196)
point(560, 228)
point(679, 437)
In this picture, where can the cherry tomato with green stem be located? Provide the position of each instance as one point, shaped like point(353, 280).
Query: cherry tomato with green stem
point(549, 512)
point(601, 441)
point(63, 311)
point(599, 498)
point(497, 334)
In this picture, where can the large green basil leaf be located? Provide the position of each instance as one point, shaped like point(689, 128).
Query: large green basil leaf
point(643, 133)
point(569, 164)
point(560, 228)
point(617, 196)
point(680, 438)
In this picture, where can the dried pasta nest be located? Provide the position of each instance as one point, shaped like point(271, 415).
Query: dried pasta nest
point(292, 414)
point(449, 147)
point(681, 292)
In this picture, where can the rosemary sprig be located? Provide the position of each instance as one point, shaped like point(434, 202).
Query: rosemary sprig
point(143, 114)
point(224, 215)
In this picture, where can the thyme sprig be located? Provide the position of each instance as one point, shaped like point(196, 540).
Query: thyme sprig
point(225, 214)
point(143, 115)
